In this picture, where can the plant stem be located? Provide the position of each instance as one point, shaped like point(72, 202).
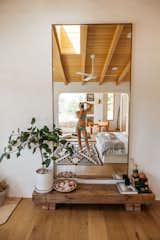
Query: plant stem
point(54, 169)
point(41, 156)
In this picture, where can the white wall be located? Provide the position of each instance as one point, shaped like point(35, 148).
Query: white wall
point(25, 74)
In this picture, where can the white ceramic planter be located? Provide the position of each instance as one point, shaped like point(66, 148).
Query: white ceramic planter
point(44, 180)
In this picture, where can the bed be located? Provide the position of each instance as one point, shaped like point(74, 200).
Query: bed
point(112, 147)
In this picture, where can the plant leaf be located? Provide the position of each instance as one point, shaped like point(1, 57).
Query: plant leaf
point(8, 156)
point(54, 158)
point(18, 154)
point(63, 141)
point(34, 150)
point(2, 156)
point(47, 162)
point(33, 120)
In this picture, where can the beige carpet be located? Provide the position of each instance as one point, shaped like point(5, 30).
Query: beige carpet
point(8, 208)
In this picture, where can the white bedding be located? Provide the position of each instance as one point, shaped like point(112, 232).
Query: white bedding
point(107, 143)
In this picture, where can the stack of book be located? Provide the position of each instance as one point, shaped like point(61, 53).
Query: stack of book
point(126, 189)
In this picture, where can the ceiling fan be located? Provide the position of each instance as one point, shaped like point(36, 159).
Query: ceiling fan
point(89, 76)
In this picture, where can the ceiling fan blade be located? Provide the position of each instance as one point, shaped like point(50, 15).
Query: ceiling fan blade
point(83, 74)
point(87, 79)
point(89, 76)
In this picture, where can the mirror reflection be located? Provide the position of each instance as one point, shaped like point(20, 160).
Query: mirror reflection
point(91, 74)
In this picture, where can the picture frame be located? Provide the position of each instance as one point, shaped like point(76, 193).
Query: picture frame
point(90, 97)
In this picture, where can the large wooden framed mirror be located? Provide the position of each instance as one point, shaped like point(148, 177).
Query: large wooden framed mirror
point(92, 63)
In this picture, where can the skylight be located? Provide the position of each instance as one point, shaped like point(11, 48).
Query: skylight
point(69, 38)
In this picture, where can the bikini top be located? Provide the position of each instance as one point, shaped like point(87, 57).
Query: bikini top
point(83, 116)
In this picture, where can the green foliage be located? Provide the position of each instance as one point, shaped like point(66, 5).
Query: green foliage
point(42, 139)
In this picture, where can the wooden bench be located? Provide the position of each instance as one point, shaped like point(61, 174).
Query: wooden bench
point(93, 194)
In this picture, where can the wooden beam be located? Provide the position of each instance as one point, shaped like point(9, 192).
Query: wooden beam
point(124, 72)
point(111, 51)
point(84, 31)
point(58, 53)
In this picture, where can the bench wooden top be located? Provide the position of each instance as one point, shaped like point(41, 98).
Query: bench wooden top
point(93, 193)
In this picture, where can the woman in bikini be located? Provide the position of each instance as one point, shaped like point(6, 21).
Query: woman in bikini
point(81, 124)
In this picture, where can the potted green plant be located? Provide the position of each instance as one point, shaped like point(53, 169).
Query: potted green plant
point(45, 141)
point(3, 191)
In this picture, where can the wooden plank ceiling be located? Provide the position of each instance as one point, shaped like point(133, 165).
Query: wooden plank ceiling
point(111, 44)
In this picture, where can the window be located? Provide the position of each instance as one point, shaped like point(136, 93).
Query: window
point(69, 38)
point(110, 106)
point(68, 105)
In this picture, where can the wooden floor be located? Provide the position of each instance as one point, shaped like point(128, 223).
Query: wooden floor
point(81, 223)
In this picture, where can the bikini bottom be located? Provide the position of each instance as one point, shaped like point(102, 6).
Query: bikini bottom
point(81, 128)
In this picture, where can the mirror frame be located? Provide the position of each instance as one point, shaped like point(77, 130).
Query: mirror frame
point(109, 180)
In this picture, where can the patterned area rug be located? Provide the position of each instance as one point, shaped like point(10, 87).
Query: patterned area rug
point(80, 157)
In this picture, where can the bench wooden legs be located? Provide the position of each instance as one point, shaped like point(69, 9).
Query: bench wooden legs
point(137, 207)
point(128, 207)
point(133, 207)
point(49, 206)
point(52, 206)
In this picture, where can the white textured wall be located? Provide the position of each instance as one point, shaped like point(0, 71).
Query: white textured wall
point(25, 74)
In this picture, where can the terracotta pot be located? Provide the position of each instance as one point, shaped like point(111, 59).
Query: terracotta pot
point(44, 180)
